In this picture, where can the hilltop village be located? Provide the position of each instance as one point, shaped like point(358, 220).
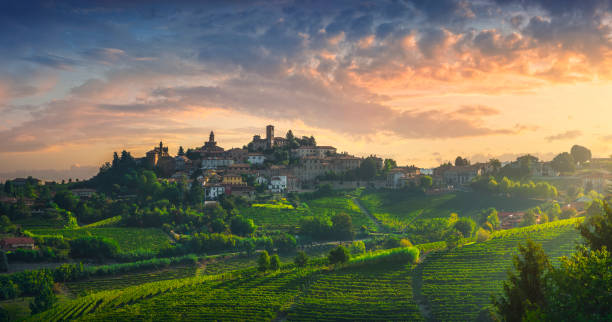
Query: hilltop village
point(291, 164)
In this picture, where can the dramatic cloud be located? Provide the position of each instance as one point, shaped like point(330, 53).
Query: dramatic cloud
point(81, 73)
point(568, 135)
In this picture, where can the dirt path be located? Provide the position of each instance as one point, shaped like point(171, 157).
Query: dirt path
point(365, 211)
point(417, 285)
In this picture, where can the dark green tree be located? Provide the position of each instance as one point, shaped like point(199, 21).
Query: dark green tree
point(389, 164)
point(342, 226)
point(275, 262)
point(597, 230)
point(426, 182)
point(563, 162)
point(242, 226)
point(301, 259)
point(181, 151)
point(525, 289)
point(45, 298)
point(3, 262)
point(459, 161)
point(580, 154)
point(339, 255)
point(465, 226)
point(263, 262)
point(367, 169)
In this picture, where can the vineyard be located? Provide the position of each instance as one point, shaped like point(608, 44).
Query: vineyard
point(366, 293)
point(457, 284)
point(129, 239)
point(282, 216)
point(395, 209)
point(332, 205)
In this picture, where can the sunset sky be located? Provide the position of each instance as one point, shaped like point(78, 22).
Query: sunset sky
point(418, 81)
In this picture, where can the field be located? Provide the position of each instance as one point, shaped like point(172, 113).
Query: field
point(395, 209)
point(281, 216)
point(330, 206)
point(275, 218)
point(129, 239)
point(366, 293)
point(376, 292)
point(457, 284)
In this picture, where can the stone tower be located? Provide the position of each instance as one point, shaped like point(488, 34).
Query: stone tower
point(211, 138)
point(270, 136)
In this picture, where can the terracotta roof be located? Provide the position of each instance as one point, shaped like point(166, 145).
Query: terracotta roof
point(17, 240)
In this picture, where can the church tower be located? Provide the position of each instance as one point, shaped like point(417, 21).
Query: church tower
point(212, 137)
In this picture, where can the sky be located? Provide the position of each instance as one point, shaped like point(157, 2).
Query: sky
point(415, 80)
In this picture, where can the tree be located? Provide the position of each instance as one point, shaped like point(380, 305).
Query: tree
point(342, 226)
point(426, 182)
point(66, 200)
point(530, 218)
point(275, 262)
point(595, 208)
point(495, 164)
point(580, 154)
point(563, 162)
point(367, 169)
point(597, 230)
point(181, 151)
point(339, 255)
point(3, 262)
point(453, 239)
point(459, 161)
point(525, 288)
point(568, 213)
point(263, 262)
point(389, 164)
point(465, 226)
point(301, 259)
point(357, 247)
point(45, 298)
point(242, 226)
point(554, 212)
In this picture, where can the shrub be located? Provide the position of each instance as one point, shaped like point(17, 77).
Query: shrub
point(275, 262)
point(263, 262)
point(93, 247)
point(483, 235)
point(339, 255)
point(357, 247)
point(396, 255)
point(301, 259)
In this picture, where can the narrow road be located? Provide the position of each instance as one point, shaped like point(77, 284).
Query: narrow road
point(365, 211)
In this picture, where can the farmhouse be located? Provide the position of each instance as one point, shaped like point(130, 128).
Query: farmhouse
point(12, 243)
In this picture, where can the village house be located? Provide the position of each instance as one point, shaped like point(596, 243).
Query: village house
point(459, 176)
point(13, 243)
point(313, 151)
point(400, 176)
point(213, 191)
point(278, 184)
point(215, 163)
point(239, 168)
point(237, 154)
point(233, 180)
point(256, 158)
point(83, 192)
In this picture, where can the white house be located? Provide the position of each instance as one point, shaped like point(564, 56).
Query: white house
point(213, 192)
point(261, 180)
point(213, 163)
point(278, 184)
point(256, 158)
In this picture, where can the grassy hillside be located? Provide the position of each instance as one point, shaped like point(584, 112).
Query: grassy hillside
point(330, 206)
point(283, 216)
point(366, 293)
point(376, 290)
point(397, 208)
point(129, 239)
point(457, 284)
